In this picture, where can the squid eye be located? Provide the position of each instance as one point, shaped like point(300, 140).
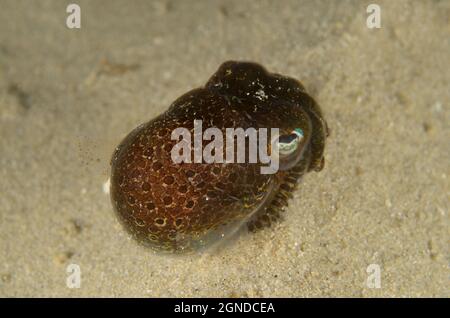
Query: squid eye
point(288, 144)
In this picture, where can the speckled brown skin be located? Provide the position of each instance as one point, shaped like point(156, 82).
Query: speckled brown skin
point(180, 207)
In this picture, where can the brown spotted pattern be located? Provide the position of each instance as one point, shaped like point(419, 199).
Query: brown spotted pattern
point(180, 207)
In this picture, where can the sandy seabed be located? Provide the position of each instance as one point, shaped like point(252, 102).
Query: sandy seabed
point(67, 97)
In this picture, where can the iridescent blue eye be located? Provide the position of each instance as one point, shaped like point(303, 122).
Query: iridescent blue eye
point(288, 144)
